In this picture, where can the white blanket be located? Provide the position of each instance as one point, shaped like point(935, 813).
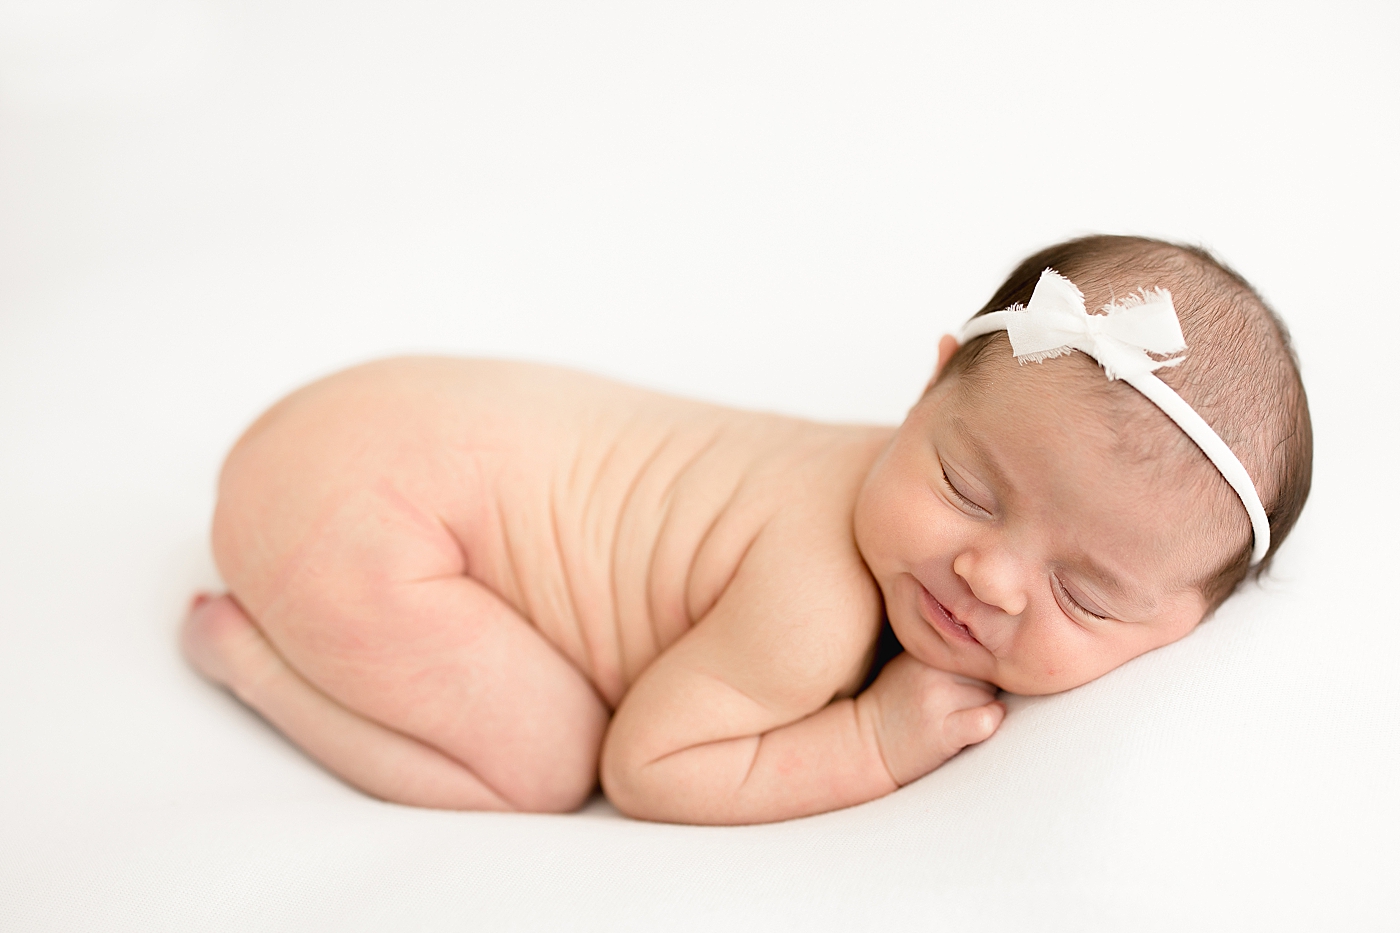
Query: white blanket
point(203, 205)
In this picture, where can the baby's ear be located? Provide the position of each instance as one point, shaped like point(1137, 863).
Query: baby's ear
point(947, 346)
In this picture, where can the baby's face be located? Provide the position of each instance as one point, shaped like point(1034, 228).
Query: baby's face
point(1017, 543)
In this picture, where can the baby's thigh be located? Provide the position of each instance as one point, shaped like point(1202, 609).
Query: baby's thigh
point(363, 592)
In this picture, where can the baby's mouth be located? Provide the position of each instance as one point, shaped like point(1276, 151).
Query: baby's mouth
point(943, 620)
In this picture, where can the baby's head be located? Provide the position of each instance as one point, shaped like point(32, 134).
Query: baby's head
point(1036, 525)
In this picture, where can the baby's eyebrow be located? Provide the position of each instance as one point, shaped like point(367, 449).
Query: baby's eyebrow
point(979, 451)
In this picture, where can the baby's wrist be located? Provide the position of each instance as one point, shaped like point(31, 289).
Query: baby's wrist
point(870, 722)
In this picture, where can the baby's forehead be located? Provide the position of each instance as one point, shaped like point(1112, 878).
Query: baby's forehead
point(1000, 390)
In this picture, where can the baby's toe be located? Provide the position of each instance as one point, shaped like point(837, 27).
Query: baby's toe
point(217, 638)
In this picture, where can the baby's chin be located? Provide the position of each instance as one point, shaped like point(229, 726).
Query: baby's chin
point(1028, 688)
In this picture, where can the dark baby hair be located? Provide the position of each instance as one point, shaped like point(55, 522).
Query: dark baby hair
point(1240, 372)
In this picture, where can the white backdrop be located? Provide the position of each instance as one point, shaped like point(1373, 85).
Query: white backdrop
point(204, 204)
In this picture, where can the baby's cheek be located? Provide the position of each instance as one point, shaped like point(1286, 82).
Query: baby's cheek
point(876, 516)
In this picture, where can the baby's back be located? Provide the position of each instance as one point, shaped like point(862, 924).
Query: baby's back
point(610, 517)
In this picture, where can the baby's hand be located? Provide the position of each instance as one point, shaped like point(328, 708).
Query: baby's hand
point(924, 716)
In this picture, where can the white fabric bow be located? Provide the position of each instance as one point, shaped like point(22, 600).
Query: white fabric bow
point(1056, 322)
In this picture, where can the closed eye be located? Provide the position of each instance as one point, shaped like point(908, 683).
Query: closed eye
point(1067, 597)
point(957, 493)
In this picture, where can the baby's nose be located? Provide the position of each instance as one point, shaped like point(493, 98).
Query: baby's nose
point(993, 581)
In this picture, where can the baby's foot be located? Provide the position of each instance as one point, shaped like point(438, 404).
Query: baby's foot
point(220, 642)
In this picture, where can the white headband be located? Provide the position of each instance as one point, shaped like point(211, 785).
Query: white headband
point(1056, 322)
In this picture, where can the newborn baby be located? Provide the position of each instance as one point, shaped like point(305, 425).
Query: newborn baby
point(487, 585)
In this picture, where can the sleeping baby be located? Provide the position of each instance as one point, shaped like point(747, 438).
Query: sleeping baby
point(490, 586)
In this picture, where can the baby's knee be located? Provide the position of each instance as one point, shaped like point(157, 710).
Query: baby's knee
point(563, 789)
point(555, 770)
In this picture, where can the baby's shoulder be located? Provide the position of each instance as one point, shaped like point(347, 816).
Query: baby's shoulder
point(803, 577)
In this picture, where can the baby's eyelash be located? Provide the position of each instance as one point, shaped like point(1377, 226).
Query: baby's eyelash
point(951, 488)
point(948, 484)
point(1060, 587)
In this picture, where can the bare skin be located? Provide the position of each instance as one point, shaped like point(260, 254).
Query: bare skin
point(481, 585)
point(445, 577)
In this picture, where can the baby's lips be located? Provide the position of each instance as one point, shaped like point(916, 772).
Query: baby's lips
point(958, 619)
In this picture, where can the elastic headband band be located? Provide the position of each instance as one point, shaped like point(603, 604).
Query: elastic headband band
point(1056, 322)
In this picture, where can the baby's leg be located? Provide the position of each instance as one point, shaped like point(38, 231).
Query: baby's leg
point(369, 647)
point(224, 645)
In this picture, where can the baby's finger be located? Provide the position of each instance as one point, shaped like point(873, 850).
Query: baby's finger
point(979, 684)
point(973, 693)
point(970, 726)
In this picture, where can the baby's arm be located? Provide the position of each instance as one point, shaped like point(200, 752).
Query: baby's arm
point(736, 724)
